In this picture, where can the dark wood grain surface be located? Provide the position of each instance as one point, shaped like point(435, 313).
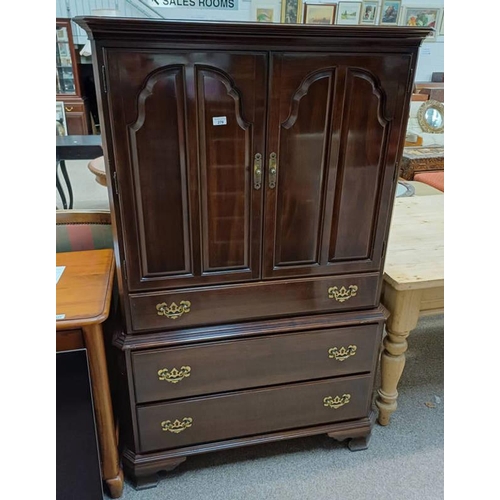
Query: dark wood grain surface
point(253, 169)
point(253, 412)
point(270, 360)
point(254, 301)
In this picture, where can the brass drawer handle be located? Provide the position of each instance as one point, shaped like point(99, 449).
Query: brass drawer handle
point(68, 109)
point(337, 401)
point(257, 171)
point(272, 170)
point(176, 426)
point(174, 375)
point(173, 311)
point(342, 294)
point(343, 353)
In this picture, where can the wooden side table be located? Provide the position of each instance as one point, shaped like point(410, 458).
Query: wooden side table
point(84, 297)
point(413, 285)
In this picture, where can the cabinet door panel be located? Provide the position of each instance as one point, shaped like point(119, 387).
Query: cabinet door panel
point(158, 147)
point(190, 215)
point(301, 154)
point(333, 126)
point(359, 170)
point(225, 148)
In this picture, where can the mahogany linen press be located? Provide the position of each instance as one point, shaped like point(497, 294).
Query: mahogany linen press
point(251, 173)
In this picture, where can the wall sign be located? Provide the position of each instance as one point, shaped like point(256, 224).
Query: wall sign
point(195, 4)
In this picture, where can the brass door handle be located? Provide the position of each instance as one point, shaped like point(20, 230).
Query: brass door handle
point(177, 425)
point(173, 311)
point(337, 401)
point(341, 354)
point(174, 375)
point(257, 171)
point(342, 294)
point(273, 170)
point(68, 109)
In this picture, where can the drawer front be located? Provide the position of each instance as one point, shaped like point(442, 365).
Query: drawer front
point(72, 107)
point(179, 372)
point(223, 304)
point(247, 413)
point(68, 340)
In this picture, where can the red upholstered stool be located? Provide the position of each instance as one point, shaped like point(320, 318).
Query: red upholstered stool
point(434, 179)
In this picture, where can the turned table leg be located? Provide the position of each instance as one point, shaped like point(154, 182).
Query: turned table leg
point(404, 308)
point(111, 471)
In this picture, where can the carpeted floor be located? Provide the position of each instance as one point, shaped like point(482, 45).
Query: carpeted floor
point(403, 462)
point(86, 192)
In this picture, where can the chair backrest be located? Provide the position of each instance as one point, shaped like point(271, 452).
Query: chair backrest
point(83, 230)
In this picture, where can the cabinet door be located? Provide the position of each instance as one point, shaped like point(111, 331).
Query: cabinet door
point(335, 125)
point(186, 128)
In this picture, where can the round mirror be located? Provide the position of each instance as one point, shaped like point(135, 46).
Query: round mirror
point(431, 117)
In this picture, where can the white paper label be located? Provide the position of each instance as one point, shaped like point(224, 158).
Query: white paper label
point(219, 120)
point(60, 316)
point(59, 271)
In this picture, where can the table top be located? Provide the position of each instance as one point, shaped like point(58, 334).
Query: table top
point(84, 289)
point(423, 152)
point(78, 147)
point(415, 252)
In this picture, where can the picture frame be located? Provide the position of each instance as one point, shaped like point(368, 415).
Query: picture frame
point(264, 14)
point(441, 24)
point(291, 11)
point(319, 13)
point(369, 13)
point(265, 11)
point(390, 12)
point(61, 125)
point(348, 13)
point(423, 17)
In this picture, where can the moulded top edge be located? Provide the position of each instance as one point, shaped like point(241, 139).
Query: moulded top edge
point(96, 25)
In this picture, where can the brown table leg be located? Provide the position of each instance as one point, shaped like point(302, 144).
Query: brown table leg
point(404, 308)
point(111, 471)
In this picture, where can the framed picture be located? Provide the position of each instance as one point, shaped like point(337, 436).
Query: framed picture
point(265, 11)
point(264, 15)
point(319, 13)
point(369, 13)
point(389, 12)
point(291, 11)
point(61, 127)
point(348, 12)
point(421, 16)
point(441, 27)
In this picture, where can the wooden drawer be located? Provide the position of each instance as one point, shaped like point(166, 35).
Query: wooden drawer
point(179, 372)
point(223, 304)
point(74, 107)
point(67, 340)
point(247, 413)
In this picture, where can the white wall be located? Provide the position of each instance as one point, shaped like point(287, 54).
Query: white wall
point(431, 57)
